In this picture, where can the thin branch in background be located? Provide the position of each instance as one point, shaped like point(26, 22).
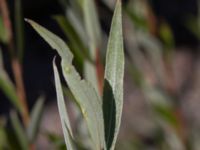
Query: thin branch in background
point(16, 66)
point(5, 14)
point(17, 71)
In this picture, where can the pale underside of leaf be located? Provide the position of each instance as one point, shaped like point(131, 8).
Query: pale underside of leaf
point(114, 71)
point(90, 104)
point(63, 111)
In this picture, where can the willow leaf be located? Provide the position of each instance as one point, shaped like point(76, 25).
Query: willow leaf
point(90, 104)
point(63, 111)
point(36, 115)
point(19, 131)
point(114, 71)
point(9, 90)
point(54, 41)
point(68, 29)
point(83, 91)
point(93, 30)
point(92, 26)
point(8, 87)
point(109, 113)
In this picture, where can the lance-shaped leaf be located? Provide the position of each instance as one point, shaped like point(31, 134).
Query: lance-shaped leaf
point(89, 102)
point(63, 111)
point(93, 31)
point(92, 26)
point(36, 115)
point(78, 46)
point(9, 90)
point(109, 113)
point(19, 131)
point(84, 93)
point(8, 87)
point(54, 41)
point(114, 71)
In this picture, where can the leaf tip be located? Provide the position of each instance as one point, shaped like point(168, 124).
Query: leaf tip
point(31, 22)
point(27, 20)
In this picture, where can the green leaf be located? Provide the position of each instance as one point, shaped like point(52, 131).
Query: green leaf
point(89, 102)
point(193, 24)
point(93, 30)
point(9, 90)
point(90, 75)
point(84, 139)
point(19, 29)
point(161, 105)
point(92, 26)
point(3, 138)
point(166, 113)
point(138, 21)
point(3, 32)
point(19, 131)
point(166, 35)
point(76, 20)
point(109, 113)
point(79, 48)
point(114, 72)
point(62, 110)
point(54, 41)
point(154, 51)
point(56, 141)
point(8, 139)
point(83, 91)
point(34, 123)
point(8, 87)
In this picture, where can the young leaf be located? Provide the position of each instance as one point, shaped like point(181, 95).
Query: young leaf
point(114, 71)
point(19, 131)
point(83, 91)
point(36, 115)
point(63, 111)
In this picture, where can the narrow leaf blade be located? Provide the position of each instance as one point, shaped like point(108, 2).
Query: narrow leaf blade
point(36, 115)
point(19, 131)
point(92, 25)
point(114, 71)
point(54, 41)
point(109, 113)
point(8, 87)
point(63, 111)
point(90, 104)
